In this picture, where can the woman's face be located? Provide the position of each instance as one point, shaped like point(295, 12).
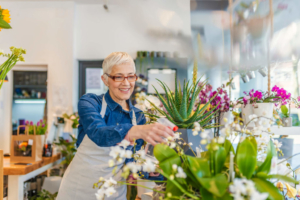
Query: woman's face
point(120, 91)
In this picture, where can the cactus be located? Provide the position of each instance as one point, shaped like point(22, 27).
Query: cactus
point(180, 105)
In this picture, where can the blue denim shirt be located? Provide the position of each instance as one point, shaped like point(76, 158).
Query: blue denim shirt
point(113, 128)
point(115, 125)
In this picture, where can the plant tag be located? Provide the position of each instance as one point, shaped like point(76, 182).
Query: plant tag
point(273, 165)
point(30, 142)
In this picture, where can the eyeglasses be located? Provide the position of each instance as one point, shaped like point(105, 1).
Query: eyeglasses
point(120, 78)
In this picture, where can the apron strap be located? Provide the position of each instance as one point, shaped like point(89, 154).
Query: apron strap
point(103, 110)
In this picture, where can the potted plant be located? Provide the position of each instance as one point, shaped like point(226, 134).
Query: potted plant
point(260, 103)
point(74, 118)
point(220, 172)
point(286, 119)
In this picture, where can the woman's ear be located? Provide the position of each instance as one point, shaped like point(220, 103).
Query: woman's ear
point(104, 80)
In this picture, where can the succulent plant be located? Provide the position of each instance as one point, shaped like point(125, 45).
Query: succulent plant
point(181, 107)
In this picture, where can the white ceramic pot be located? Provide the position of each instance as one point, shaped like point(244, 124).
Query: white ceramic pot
point(259, 109)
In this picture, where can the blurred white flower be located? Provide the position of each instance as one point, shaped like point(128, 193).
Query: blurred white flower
point(116, 151)
point(176, 136)
point(197, 128)
point(140, 106)
point(172, 145)
point(100, 194)
point(110, 191)
point(196, 124)
point(253, 116)
point(124, 143)
point(191, 144)
point(149, 166)
point(153, 100)
point(111, 163)
point(204, 134)
point(221, 140)
point(174, 167)
point(141, 153)
point(128, 154)
point(195, 133)
point(181, 173)
point(243, 187)
point(110, 182)
point(134, 168)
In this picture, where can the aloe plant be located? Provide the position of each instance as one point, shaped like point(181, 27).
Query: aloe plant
point(181, 103)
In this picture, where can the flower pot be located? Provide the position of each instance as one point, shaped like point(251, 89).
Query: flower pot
point(188, 137)
point(259, 109)
point(287, 121)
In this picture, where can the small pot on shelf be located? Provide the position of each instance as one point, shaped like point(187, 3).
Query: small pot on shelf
point(287, 121)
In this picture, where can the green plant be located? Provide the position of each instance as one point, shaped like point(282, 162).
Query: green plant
point(74, 118)
point(68, 150)
point(10, 62)
point(285, 111)
point(181, 108)
point(44, 195)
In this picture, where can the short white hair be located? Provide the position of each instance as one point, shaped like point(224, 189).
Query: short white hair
point(116, 58)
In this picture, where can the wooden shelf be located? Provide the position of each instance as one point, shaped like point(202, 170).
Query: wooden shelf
point(32, 86)
point(294, 130)
point(12, 169)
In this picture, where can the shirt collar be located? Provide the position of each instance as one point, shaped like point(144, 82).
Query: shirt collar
point(113, 105)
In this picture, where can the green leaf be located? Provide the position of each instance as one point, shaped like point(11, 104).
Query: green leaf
point(199, 167)
point(246, 158)
point(266, 166)
point(217, 185)
point(284, 110)
point(265, 186)
point(193, 99)
point(254, 143)
point(220, 157)
point(4, 24)
point(163, 152)
point(191, 179)
point(228, 147)
point(183, 107)
point(209, 196)
point(277, 176)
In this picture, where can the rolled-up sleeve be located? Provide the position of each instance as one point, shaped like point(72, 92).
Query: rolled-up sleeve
point(95, 126)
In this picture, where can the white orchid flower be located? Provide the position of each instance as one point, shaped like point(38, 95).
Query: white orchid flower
point(134, 168)
point(141, 153)
point(174, 167)
point(115, 152)
point(110, 182)
point(195, 133)
point(100, 194)
point(128, 154)
point(221, 140)
point(153, 100)
point(149, 166)
point(181, 173)
point(204, 134)
point(109, 191)
point(176, 136)
point(124, 143)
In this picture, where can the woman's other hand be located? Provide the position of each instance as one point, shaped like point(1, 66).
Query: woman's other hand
point(151, 133)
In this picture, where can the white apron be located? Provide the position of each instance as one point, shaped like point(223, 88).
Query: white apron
point(88, 165)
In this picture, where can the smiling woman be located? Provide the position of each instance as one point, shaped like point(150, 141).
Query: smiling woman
point(105, 121)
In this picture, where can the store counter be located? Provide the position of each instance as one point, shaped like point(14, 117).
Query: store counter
point(18, 174)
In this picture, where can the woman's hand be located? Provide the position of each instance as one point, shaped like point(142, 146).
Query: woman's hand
point(152, 133)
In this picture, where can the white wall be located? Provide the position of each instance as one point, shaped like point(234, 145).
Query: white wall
point(59, 33)
point(45, 30)
point(127, 27)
